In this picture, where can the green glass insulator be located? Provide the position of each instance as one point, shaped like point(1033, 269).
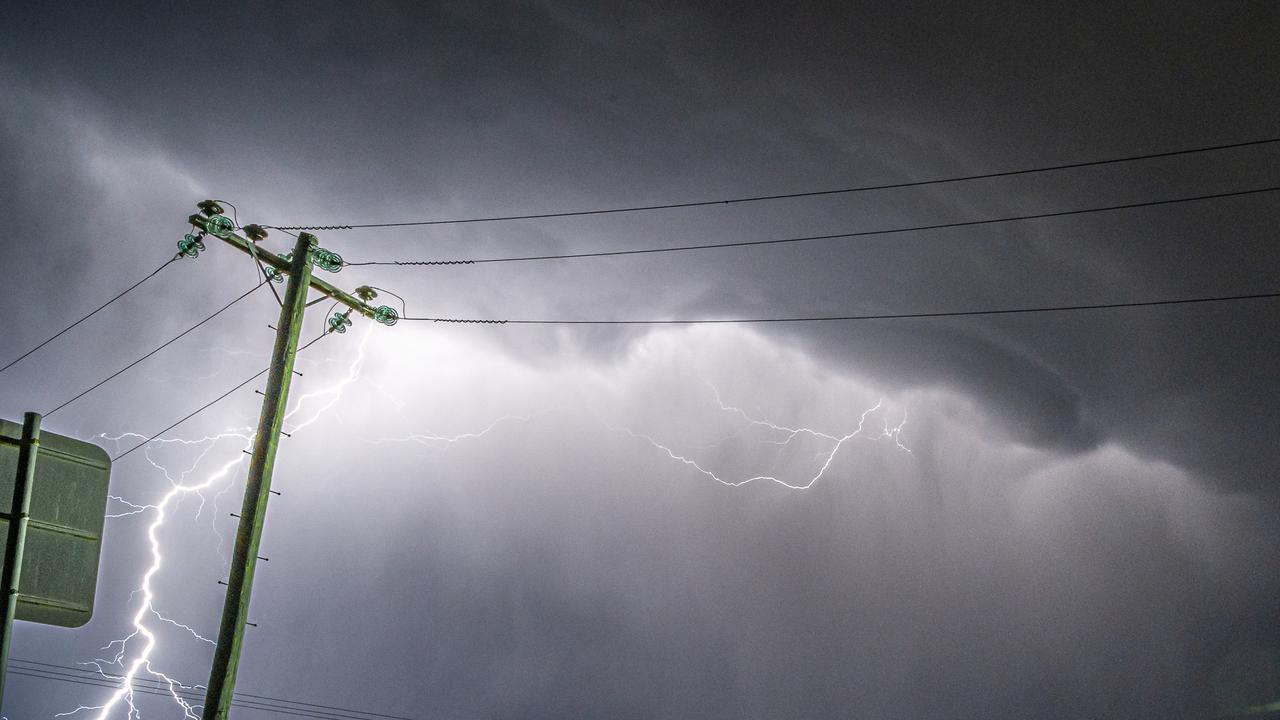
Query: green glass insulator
point(190, 245)
point(327, 259)
point(220, 225)
point(339, 322)
point(385, 315)
point(273, 274)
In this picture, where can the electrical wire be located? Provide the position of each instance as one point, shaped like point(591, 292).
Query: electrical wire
point(209, 404)
point(326, 707)
point(59, 334)
point(262, 271)
point(162, 346)
point(328, 313)
point(835, 236)
point(68, 670)
point(890, 316)
point(44, 675)
point(404, 308)
point(235, 215)
point(298, 709)
point(149, 683)
point(786, 196)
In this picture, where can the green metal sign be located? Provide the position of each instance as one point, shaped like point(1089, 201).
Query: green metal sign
point(64, 534)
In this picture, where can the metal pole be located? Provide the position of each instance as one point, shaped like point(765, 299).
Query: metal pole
point(235, 609)
point(17, 540)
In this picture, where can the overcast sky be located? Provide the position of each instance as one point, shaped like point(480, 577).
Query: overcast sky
point(1070, 515)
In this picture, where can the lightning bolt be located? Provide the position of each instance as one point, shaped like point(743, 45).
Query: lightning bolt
point(783, 436)
point(146, 608)
point(437, 440)
point(133, 654)
point(311, 407)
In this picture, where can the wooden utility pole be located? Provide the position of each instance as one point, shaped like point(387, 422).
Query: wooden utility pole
point(298, 266)
point(235, 609)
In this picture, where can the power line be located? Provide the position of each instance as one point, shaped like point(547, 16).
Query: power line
point(262, 702)
point(44, 675)
point(59, 334)
point(786, 196)
point(834, 236)
point(316, 705)
point(186, 695)
point(892, 316)
point(209, 404)
point(164, 345)
point(201, 409)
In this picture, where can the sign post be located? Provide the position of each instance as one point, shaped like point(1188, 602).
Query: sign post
point(20, 511)
point(57, 493)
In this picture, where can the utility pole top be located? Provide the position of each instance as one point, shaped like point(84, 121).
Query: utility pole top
point(220, 227)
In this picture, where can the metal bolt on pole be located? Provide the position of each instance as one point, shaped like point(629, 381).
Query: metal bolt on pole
point(17, 537)
point(235, 609)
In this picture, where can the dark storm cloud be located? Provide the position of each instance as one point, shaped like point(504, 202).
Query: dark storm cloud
point(1039, 406)
point(115, 120)
point(464, 110)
